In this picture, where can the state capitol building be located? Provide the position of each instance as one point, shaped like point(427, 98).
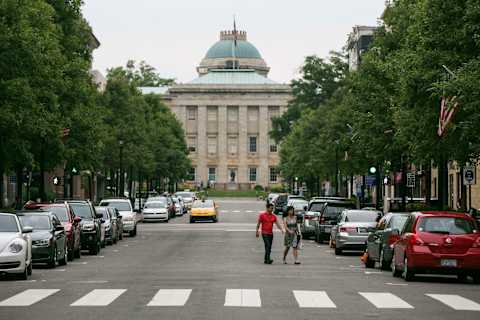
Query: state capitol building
point(226, 113)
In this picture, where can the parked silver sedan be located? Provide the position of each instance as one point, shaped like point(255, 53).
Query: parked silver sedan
point(352, 229)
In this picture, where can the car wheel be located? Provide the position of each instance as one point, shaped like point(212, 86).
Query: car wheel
point(476, 278)
point(29, 268)
point(77, 253)
point(53, 260)
point(395, 272)
point(407, 274)
point(24, 274)
point(191, 220)
point(369, 263)
point(71, 254)
point(121, 236)
point(95, 249)
point(63, 261)
point(384, 265)
point(338, 251)
point(462, 277)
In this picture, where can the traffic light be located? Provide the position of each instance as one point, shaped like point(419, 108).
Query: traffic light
point(372, 170)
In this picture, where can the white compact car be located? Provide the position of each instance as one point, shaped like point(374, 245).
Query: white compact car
point(129, 217)
point(156, 210)
point(15, 246)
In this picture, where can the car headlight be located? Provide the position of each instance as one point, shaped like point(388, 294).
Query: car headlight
point(88, 226)
point(15, 247)
point(41, 243)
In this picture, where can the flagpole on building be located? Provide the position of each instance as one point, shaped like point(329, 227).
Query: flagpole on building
point(234, 43)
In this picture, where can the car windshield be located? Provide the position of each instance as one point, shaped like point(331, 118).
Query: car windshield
point(184, 194)
point(316, 206)
point(445, 225)
point(37, 222)
point(60, 212)
point(8, 224)
point(361, 216)
point(82, 210)
point(398, 221)
point(155, 205)
point(203, 204)
point(103, 212)
point(333, 210)
point(299, 205)
point(120, 205)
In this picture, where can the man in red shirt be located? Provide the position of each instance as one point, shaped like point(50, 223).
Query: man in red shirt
point(266, 221)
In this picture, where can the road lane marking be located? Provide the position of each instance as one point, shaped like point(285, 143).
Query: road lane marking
point(98, 298)
point(28, 297)
point(236, 211)
point(170, 298)
point(313, 299)
point(385, 300)
point(456, 302)
point(78, 263)
point(249, 211)
point(89, 281)
point(243, 298)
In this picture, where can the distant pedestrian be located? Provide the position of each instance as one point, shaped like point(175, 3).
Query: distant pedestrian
point(266, 221)
point(293, 236)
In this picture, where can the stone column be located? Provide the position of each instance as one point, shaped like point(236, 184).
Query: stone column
point(263, 147)
point(202, 154)
point(222, 175)
point(242, 144)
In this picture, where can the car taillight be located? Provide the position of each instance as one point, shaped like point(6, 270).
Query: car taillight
point(416, 241)
point(392, 239)
point(308, 217)
point(348, 229)
point(322, 220)
point(68, 227)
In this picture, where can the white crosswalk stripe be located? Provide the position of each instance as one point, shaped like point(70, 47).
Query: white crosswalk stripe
point(456, 302)
point(385, 300)
point(99, 297)
point(313, 299)
point(28, 297)
point(243, 298)
point(170, 298)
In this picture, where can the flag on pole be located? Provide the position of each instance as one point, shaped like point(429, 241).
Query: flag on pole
point(448, 108)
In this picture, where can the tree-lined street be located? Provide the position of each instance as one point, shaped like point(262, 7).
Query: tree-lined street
point(196, 270)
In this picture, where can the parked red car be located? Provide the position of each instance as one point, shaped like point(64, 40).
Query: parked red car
point(70, 222)
point(438, 242)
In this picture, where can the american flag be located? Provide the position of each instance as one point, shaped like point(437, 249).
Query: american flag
point(448, 108)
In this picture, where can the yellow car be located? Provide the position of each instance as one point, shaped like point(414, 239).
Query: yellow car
point(204, 210)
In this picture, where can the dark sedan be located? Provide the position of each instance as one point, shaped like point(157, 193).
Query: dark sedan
point(49, 241)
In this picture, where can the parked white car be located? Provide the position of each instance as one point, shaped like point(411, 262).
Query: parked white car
point(130, 218)
point(156, 210)
point(15, 246)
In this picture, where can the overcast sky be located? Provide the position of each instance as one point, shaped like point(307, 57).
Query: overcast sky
point(174, 35)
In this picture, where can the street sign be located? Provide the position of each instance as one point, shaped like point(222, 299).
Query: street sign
point(469, 177)
point(411, 180)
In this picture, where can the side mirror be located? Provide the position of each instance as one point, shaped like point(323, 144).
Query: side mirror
point(59, 228)
point(27, 229)
point(102, 221)
point(77, 219)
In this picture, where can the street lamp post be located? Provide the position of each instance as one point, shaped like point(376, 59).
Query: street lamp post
point(122, 182)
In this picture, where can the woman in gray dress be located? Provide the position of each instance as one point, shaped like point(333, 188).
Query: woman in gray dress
point(292, 234)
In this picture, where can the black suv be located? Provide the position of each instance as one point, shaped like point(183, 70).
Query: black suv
point(282, 200)
point(91, 225)
point(328, 217)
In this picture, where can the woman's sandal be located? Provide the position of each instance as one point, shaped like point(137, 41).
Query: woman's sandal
point(297, 262)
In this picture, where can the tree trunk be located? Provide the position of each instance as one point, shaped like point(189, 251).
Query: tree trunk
point(428, 181)
point(2, 191)
point(19, 185)
point(443, 183)
point(403, 186)
point(130, 183)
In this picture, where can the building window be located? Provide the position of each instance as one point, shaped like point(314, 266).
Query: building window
point(252, 144)
point(212, 174)
point(191, 176)
point(192, 113)
point(252, 174)
point(232, 145)
point(212, 145)
point(212, 114)
point(273, 174)
point(192, 144)
point(273, 146)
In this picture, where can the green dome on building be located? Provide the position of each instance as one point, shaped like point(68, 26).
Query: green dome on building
point(226, 48)
point(233, 51)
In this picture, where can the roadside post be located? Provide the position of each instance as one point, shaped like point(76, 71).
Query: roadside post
point(469, 179)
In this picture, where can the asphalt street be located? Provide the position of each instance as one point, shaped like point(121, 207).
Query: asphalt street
point(215, 271)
